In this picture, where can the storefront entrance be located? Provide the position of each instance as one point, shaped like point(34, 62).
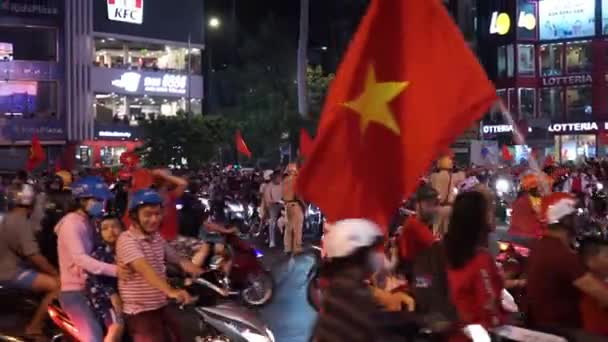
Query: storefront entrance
point(575, 147)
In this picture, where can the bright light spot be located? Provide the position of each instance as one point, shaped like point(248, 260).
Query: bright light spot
point(214, 23)
point(324, 48)
point(502, 186)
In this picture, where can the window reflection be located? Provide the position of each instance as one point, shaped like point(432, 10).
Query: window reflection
point(527, 102)
point(525, 60)
point(114, 53)
point(579, 102)
point(579, 57)
point(551, 59)
point(502, 61)
point(551, 103)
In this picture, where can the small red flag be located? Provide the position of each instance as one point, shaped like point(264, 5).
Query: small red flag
point(305, 143)
point(506, 154)
point(241, 146)
point(37, 154)
point(386, 118)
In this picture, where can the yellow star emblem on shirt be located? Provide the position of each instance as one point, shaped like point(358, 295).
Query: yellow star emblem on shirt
point(372, 104)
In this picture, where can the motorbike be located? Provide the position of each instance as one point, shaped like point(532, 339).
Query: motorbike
point(218, 319)
point(248, 277)
point(18, 306)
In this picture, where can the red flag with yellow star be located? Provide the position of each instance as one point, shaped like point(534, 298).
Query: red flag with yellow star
point(407, 87)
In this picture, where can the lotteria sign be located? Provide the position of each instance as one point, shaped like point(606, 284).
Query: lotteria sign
point(127, 11)
point(566, 80)
point(568, 127)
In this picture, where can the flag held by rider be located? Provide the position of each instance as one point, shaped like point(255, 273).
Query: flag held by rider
point(407, 88)
point(37, 154)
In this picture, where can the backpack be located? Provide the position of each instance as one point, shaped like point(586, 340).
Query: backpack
point(431, 288)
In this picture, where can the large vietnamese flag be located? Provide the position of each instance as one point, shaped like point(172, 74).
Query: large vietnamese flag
point(407, 87)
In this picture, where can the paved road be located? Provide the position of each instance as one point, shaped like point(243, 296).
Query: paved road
point(289, 316)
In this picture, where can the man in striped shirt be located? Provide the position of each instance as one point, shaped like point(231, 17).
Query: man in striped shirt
point(144, 295)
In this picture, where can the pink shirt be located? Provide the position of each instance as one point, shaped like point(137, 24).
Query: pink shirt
point(74, 244)
point(136, 293)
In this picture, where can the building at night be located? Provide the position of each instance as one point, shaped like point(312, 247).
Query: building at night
point(549, 61)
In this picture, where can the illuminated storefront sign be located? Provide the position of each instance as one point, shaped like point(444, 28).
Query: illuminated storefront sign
point(566, 80)
point(605, 17)
point(560, 19)
point(526, 20)
point(574, 127)
point(168, 83)
point(114, 134)
point(128, 11)
point(496, 129)
point(500, 23)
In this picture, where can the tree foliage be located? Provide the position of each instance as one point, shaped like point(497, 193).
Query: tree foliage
point(184, 140)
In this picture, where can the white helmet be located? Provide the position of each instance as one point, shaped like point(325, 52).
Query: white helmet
point(557, 205)
point(468, 184)
point(346, 236)
point(268, 175)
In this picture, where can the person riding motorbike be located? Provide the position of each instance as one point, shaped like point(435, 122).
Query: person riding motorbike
point(58, 201)
point(556, 275)
point(417, 232)
point(350, 311)
point(144, 293)
point(526, 215)
point(75, 238)
point(19, 250)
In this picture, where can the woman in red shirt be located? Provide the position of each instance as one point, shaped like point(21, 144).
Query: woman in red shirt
point(474, 279)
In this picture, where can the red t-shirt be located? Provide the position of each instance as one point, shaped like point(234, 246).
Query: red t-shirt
point(595, 317)
point(552, 299)
point(415, 237)
point(524, 219)
point(169, 228)
point(476, 291)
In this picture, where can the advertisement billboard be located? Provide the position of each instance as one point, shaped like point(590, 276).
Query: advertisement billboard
point(163, 20)
point(605, 17)
point(559, 19)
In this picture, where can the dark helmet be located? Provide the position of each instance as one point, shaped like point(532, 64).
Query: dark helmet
point(426, 192)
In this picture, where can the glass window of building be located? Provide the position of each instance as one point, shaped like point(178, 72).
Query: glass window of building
point(510, 61)
point(576, 147)
point(28, 99)
point(525, 60)
point(552, 103)
point(114, 53)
point(502, 94)
point(579, 57)
point(502, 62)
point(83, 155)
point(111, 155)
point(551, 59)
point(527, 102)
point(579, 102)
point(28, 43)
point(134, 109)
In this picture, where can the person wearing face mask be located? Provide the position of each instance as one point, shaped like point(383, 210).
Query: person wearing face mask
point(351, 309)
point(19, 250)
point(417, 232)
point(75, 238)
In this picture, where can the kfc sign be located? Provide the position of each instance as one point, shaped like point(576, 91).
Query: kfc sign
point(128, 11)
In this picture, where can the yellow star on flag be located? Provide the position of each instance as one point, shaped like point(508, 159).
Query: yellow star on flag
point(372, 104)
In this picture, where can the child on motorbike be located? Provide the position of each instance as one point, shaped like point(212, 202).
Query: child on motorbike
point(102, 291)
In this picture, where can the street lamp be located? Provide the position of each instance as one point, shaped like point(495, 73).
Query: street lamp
point(214, 22)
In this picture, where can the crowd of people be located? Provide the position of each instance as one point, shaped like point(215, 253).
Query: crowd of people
point(101, 245)
point(444, 250)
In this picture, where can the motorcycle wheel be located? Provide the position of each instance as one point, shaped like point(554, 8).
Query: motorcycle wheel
point(314, 294)
point(259, 289)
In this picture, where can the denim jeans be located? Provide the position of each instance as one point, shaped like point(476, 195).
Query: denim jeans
point(76, 305)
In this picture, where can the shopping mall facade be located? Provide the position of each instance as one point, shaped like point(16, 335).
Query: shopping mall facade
point(549, 61)
point(85, 74)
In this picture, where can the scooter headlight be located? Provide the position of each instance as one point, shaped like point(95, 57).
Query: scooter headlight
point(502, 186)
point(599, 186)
